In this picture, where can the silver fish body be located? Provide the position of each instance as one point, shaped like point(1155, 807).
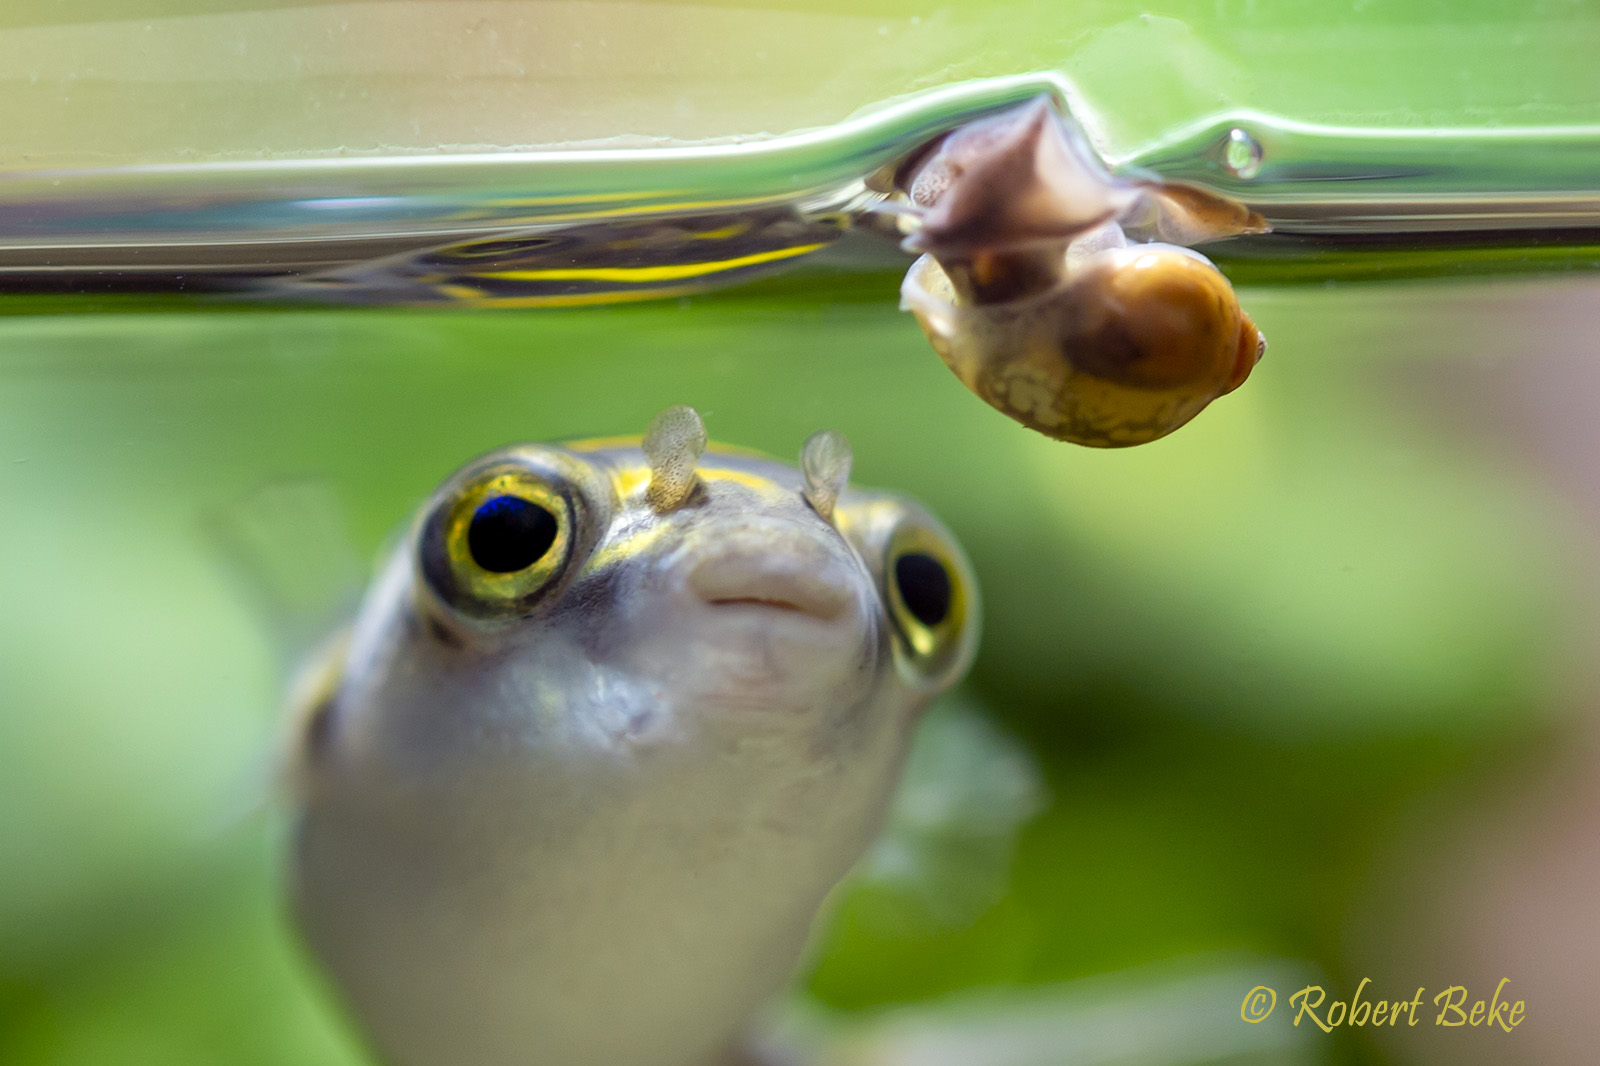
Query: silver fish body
point(586, 811)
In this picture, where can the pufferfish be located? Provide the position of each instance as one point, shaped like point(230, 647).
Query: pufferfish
point(613, 720)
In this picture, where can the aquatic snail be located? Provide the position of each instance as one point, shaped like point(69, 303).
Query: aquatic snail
point(1031, 290)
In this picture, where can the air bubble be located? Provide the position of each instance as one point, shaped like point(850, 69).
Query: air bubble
point(1241, 154)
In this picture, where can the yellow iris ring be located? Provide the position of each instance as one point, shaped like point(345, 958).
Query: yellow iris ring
point(931, 645)
point(504, 589)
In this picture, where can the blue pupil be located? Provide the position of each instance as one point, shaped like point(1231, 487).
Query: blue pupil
point(509, 533)
point(924, 587)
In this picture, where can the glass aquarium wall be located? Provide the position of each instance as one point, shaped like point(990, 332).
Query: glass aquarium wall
point(1299, 696)
point(95, 82)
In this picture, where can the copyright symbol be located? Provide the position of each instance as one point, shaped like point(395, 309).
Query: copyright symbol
point(1258, 1003)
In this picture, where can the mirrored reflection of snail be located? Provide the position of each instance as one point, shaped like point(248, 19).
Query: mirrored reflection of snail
point(1031, 289)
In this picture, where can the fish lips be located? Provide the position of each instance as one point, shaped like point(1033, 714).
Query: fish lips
point(818, 589)
point(750, 627)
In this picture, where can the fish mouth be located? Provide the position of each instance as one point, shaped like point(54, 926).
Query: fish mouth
point(815, 587)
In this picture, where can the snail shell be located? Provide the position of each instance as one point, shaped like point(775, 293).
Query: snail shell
point(1126, 345)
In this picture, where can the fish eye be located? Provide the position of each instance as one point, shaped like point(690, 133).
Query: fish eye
point(924, 586)
point(497, 543)
point(510, 533)
point(929, 602)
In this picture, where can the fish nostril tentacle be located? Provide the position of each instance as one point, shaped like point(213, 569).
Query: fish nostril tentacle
point(825, 464)
point(673, 444)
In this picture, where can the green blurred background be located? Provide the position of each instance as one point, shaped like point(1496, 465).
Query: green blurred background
point(1253, 663)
